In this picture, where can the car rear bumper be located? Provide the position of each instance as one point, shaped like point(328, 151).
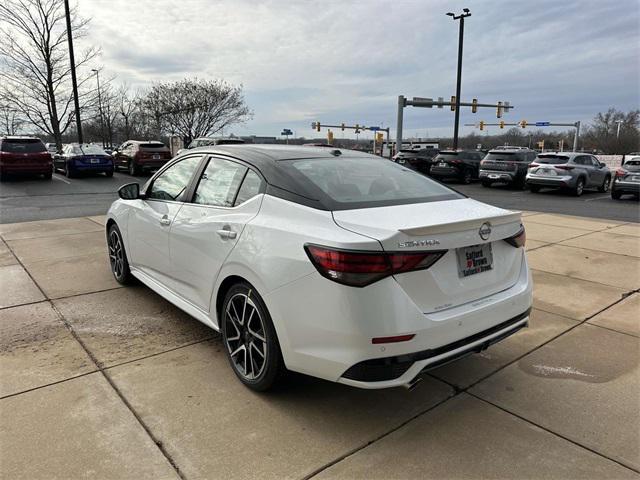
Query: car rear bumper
point(445, 172)
point(497, 176)
point(151, 164)
point(627, 187)
point(330, 334)
point(27, 168)
point(550, 181)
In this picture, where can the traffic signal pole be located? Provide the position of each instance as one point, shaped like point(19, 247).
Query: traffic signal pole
point(458, 85)
point(524, 124)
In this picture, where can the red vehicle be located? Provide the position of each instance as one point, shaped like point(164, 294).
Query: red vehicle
point(139, 156)
point(24, 155)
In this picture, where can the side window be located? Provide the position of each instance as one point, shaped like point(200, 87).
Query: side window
point(171, 183)
point(595, 161)
point(251, 187)
point(219, 183)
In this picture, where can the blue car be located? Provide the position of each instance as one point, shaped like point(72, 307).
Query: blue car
point(83, 158)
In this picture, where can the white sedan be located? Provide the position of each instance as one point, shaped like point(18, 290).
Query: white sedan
point(328, 262)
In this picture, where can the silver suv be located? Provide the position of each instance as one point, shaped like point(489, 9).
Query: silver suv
point(568, 170)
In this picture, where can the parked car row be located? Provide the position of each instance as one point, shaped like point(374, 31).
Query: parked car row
point(25, 155)
point(521, 167)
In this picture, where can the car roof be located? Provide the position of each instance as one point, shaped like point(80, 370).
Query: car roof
point(510, 149)
point(564, 154)
point(18, 137)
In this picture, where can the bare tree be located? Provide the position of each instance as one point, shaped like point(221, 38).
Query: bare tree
point(194, 108)
point(602, 134)
point(34, 63)
point(10, 119)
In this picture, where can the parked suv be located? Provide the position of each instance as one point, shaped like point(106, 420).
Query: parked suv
point(627, 179)
point(138, 156)
point(506, 165)
point(24, 155)
point(462, 165)
point(569, 170)
point(418, 160)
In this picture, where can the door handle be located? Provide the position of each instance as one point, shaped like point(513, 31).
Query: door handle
point(226, 232)
point(165, 220)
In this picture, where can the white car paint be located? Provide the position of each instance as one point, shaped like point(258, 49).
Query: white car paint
point(323, 327)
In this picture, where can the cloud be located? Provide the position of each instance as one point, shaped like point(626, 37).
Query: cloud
point(340, 61)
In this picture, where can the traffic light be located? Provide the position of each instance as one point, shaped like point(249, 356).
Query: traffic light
point(357, 128)
point(453, 103)
point(330, 137)
point(318, 126)
point(499, 110)
point(474, 105)
point(523, 123)
point(501, 123)
point(481, 125)
point(342, 127)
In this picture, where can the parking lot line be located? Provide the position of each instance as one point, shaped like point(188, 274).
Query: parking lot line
point(596, 198)
point(57, 177)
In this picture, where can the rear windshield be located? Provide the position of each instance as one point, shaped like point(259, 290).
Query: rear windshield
point(92, 150)
point(153, 146)
point(447, 156)
point(632, 163)
point(505, 156)
point(23, 145)
point(349, 183)
point(552, 159)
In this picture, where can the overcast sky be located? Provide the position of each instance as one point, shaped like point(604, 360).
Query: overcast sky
point(347, 61)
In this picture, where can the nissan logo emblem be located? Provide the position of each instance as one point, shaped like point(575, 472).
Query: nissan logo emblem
point(485, 230)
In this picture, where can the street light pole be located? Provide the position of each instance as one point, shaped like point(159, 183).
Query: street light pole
point(72, 62)
point(460, 17)
point(97, 72)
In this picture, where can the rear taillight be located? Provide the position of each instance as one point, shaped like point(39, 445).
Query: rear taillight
point(565, 167)
point(359, 269)
point(483, 162)
point(533, 165)
point(519, 239)
point(621, 172)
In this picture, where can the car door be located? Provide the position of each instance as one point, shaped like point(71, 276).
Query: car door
point(150, 219)
point(205, 230)
point(598, 172)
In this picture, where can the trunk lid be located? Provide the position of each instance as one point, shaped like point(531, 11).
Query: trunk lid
point(448, 225)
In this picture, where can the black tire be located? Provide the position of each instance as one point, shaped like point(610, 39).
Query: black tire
point(579, 188)
point(118, 256)
point(606, 183)
point(48, 176)
point(109, 173)
point(68, 171)
point(134, 170)
point(486, 183)
point(534, 188)
point(467, 176)
point(616, 195)
point(242, 341)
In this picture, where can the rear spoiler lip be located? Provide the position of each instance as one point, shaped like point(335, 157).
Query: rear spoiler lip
point(463, 225)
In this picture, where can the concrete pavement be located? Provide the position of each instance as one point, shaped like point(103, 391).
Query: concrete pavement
point(107, 382)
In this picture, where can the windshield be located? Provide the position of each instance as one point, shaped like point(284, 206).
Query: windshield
point(23, 145)
point(552, 159)
point(365, 182)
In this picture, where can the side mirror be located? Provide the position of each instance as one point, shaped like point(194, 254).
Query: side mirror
point(130, 191)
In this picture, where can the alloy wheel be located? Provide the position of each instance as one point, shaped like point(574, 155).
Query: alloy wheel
point(245, 336)
point(606, 184)
point(579, 187)
point(116, 254)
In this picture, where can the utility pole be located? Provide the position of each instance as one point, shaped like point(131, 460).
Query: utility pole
point(460, 17)
point(72, 63)
point(97, 72)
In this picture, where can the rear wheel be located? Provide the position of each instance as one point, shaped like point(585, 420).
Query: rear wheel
point(48, 175)
point(616, 195)
point(579, 188)
point(68, 171)
point(109, 173)
point(118, 257)
point(486, 183)
point(250, 339)
point(534, 188)
point(467, 176)
point(134, 170)
point(605, 184)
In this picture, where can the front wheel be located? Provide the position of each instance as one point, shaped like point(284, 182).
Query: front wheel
point(486, 183)
point(616, 195)
point(605, 185)
point(250, 339)
point(118, 257)
point(534, 188)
